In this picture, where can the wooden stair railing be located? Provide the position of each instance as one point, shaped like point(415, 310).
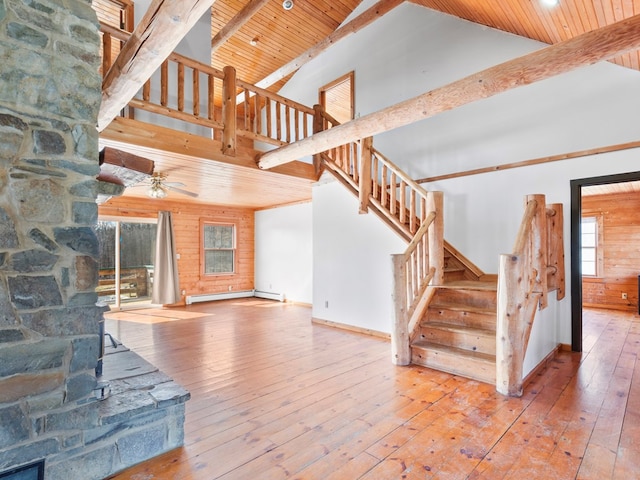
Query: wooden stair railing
point(535, 267)
point(417, 215)
point(198, 94)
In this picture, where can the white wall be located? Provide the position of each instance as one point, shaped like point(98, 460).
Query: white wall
point(283, 252)
point(413, 50)
point(351, 261)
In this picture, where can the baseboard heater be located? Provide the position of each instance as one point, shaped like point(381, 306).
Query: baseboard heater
point(210, 297)
point(270, 295)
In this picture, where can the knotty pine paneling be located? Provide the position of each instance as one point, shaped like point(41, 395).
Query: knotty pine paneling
point(186, 224)
point(621, 251)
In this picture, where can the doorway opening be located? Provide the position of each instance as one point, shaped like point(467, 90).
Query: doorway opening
point(578, 187)
point(338, 98)
point(126, 261)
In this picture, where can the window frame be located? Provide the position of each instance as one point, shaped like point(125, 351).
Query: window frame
point(203, 250)
point(598, 248)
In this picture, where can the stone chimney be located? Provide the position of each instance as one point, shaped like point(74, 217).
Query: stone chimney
point(50, 336)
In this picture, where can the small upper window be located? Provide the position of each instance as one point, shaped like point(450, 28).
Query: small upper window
point(589, 244)
point(219, 249)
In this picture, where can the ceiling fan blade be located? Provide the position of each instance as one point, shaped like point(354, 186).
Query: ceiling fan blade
point(179, 190)
point(173, 184)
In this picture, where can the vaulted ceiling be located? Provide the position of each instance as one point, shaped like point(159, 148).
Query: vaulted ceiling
point(266, 44)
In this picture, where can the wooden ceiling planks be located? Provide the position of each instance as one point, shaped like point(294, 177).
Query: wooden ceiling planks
point(530, 18)
point(281, 35)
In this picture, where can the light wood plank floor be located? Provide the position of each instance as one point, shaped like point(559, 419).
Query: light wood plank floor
point(274, 396)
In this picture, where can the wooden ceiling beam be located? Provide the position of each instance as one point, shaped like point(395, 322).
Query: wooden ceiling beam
point(586, 49)
point(164, 24)
point(358, 23)
point(236, 23)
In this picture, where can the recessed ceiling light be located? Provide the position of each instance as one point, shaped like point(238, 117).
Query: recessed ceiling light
point(287, 4)
point(550, 3)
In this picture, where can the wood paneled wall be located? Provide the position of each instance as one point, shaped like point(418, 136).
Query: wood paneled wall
point(186, 222)
point(621, 251)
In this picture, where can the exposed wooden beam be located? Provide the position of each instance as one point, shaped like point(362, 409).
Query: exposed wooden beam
point(535, 161)
point(164, 24)
point(236, 23)
point(358, 23)
point(585, 49)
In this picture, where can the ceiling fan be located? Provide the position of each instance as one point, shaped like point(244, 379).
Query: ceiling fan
point(158, 186)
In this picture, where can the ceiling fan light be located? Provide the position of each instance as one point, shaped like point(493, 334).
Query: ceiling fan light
point(287, 4)
point(156, 191)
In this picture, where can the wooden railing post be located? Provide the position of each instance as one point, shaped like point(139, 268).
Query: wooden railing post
point(539, 252)
point(400, 349)
point(318, 126)
point(509, 354)
point(556, 247)
point(435, 203)
point(366, 151)
point(229, 111)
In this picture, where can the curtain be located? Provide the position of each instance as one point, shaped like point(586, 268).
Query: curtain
point(166, 287)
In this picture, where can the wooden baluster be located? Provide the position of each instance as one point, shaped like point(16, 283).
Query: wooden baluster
point(268, 115)
point(210, 96)
point(305, 124)
point(318, 126)
point(375, 183)
point(403, 202)
point(423, 209)
point(384, 186)
point(180, 87)
point(297, 124)
point(247, 112)
point(352, 149)
point(146, 90)
point(287, 112)
point(164, 81)
point(412, 211)
point(393, 185)
point(229, 111)
point(278, 121)
point(258, 114)
point(106, 53)
point(196, 91)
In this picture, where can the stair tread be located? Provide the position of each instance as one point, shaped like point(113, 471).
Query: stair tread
point(462, 307)
point(458, 328)
point(478, 356)
point(470, 285)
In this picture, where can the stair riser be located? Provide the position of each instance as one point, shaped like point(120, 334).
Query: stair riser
point(465, 367)
point(476, 298)
point(457, 317)
point(466, 340)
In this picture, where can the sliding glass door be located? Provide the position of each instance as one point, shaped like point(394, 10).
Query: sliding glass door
point(127, 250)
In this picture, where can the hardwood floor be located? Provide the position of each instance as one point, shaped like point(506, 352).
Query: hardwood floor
point(274, 396)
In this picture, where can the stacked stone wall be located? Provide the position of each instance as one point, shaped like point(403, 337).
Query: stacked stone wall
point(50, 92)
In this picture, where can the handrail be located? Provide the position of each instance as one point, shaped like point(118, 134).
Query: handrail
point(524, 280)
point(261, 115)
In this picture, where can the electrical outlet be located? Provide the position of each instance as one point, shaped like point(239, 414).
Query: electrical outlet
point(624, 296)
point(326, 304)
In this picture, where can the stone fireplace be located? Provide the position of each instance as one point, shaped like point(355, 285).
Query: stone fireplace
point(50, 337)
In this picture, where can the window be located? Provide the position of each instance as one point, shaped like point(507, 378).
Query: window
point(218, 248)
point(589, 243)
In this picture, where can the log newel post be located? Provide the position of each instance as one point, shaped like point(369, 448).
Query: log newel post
point(229, 111)
point(435, 203)
point(509, 351)
point(400, 349)
point(318, 126)
point(364, 187)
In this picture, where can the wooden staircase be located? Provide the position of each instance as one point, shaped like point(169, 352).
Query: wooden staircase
point(457, 333)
